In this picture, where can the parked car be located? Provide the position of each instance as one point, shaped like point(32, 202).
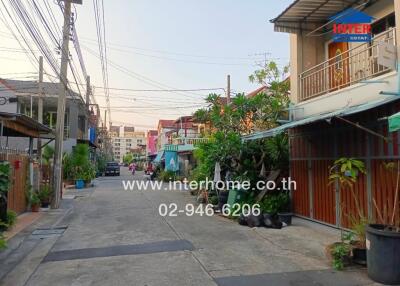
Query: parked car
point(112, 169)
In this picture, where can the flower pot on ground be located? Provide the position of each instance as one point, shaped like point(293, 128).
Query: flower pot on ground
point(285, 217)
point(44, 196)
point(33, 199)
point(222, 198)
point(277, 205)
point(359, 251)
point(383, 253)
point(79, 184)
point(359, 256)
point(35, 202)
point(35, 208)
point(383, 238)
point(339, 254)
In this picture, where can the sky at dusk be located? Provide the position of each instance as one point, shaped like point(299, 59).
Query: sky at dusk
point(160, 44)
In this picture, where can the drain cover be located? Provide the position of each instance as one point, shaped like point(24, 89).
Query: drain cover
point(49, 231)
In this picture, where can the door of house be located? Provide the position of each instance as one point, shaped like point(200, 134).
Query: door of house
point(339, 76)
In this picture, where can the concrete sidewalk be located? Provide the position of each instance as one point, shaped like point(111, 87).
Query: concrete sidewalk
point(117, 237)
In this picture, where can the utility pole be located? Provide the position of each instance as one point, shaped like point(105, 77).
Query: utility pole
point(228, 90)
point(57, 172)
point(88, 92)
point(40, 119)
point(105, 120)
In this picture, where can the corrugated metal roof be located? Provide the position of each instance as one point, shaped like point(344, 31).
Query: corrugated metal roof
point(319, 117)
point(303, 12)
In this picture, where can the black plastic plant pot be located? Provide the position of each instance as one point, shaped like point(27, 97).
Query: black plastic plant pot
point(383, 254)
point(360, 256)
point(286, 218)
point(222, 198)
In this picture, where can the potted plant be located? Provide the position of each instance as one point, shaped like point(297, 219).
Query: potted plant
point(79, 178)
point(284, 213)
point(83, 172)
point(383, 240)
point(345, 172)
point(359, 249)
point(44, 196)
point(5, 171)
point(339, 253)
point(33, 200)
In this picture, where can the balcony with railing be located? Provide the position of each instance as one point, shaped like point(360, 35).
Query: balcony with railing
point(350, 67)
point(189, 141)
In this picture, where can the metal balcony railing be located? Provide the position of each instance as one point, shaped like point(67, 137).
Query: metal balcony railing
point(350, 67)
point(189, 141)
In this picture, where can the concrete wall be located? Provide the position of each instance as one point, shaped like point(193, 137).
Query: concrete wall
point(351, 96)
point(7, 94)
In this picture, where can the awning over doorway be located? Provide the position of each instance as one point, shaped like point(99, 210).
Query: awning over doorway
point(159, 157)
point(307, 14)
point(19, 125)
point(323, 116)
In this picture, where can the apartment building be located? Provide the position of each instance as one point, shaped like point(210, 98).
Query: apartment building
point(125, 139)
point(344, 86)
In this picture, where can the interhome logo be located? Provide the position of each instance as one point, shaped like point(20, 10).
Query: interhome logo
point(351, 26)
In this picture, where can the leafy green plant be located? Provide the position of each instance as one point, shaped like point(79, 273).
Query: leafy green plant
point(213, 200)
point(32, 196)
point(340, 252)
point(128, 158)
point(167, 176)
point(275, 203)
point(3, 243)
point(68, 167)
point(358, 226)
point(45, 193)
point(5, 171)
point(345, 171)
point(11, 218)
point(82, 168)
point(101, 163)
point(47, 154)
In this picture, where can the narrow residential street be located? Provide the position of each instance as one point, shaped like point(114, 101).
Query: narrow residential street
point(117, 237)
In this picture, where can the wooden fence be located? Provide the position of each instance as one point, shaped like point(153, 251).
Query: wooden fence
point(19, 178)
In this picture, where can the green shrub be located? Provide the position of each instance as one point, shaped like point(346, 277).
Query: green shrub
point(68, 167)
point(213, 200)
point(167, 176)
point(48, 154)
point(45, 193)
point(275, 203)
point(5, 170)
point(11, 218)
point(3, 243)
point(32, 197)
point(340, 252)
point(82, 168)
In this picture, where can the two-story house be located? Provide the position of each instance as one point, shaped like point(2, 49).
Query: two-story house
point(342, 92)
point(22, 97)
